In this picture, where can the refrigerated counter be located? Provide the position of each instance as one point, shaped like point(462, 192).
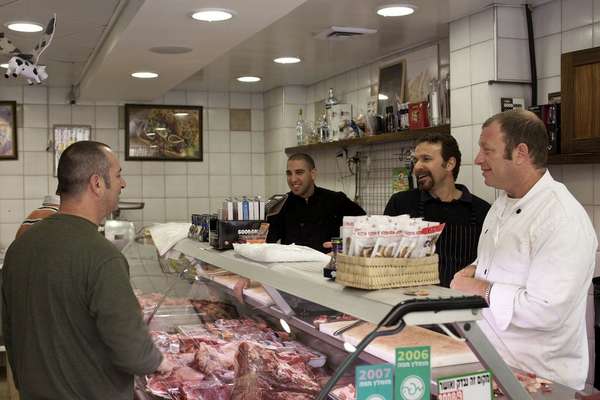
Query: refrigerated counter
point(297, 294)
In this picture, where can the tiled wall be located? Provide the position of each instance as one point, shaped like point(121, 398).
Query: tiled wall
point(281, 114)
point(233, 161)
point(472, 66)
point(559, 26)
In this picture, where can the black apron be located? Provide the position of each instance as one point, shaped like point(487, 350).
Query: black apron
point(456, 246)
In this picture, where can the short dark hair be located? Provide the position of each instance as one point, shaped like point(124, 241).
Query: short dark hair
point(304, 157)
point(520, 126)
point(449, 148)
point(78, 163)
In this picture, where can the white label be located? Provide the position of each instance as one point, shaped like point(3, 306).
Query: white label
point(469, 387)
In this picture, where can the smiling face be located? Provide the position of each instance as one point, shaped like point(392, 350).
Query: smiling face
point(497, 171)
point(112, 189)
point(301, 178)
point(431, 171)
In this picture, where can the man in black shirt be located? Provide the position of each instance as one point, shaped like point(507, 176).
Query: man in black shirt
point(311, 215)
point(438, 198)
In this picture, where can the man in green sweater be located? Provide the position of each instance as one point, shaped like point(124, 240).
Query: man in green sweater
point(72, 325)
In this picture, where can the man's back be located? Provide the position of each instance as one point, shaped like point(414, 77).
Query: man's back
point(72, 324)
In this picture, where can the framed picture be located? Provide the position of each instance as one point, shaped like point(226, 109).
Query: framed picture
point(392, 79)
point(8, 130)
point(165, 133)
point(66, 135)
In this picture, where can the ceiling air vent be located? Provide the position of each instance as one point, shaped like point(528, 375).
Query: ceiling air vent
point(343, 32)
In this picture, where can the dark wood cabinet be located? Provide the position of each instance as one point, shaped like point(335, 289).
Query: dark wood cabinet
point(580, 87)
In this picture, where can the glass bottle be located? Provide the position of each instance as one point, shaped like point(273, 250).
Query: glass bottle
point(300, 129)
point(331, 100)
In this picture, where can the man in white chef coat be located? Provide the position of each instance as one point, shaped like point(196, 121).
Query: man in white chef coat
point(535, 257)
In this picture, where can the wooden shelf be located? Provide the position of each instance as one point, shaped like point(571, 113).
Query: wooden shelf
point(403, 136)
point(575, 158)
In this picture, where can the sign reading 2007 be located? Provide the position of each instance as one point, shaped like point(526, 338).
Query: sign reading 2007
point(375, 382)
point(413, 373)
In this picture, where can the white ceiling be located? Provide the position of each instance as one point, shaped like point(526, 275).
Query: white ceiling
point(122, 31)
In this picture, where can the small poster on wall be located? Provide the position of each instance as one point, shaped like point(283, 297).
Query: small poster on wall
point(8, 130)
point(66, 135)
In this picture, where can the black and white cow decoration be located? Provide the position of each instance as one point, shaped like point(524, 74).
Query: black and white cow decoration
point(23, 64)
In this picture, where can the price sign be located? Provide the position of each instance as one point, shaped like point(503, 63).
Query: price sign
point(375, 382)
point(413, 373)
point(476, 386)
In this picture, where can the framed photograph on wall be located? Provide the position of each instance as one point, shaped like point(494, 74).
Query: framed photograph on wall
point(165, 133)
point(65, 135)
point(8, 130)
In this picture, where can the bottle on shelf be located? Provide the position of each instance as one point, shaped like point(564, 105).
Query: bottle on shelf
point(300, 129)
point(434, 103)
point(331, 100)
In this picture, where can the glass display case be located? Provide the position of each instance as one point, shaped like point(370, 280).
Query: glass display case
point(283, 331)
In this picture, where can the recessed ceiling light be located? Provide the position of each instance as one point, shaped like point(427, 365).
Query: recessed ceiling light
point(287, 60)
point(4, 65)
point(212, 15)
point(248, 79)
point(396, 10)
point(24, 26)
point(145, 75)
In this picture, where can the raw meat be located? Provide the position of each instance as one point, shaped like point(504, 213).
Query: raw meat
point(217, 361)
point(261, 374)
point(347, 392)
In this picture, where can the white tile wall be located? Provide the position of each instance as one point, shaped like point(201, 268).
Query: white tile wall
point(512, 22)
point(460, 65)
point(577, 39)
point(35, 95)
point(576, 13)
point(197, 186)
point(218, 141)
point(241, 163)
point(176, 210)
point(218, 119)
point(218, 100)
point(465, 143)
point(514, 54)
point(35, 139)
point(241, 185)
point(459, 34)
point(176, 186)
point(482, 62)
point(481, 26)
point(241, 142)
point(547, 19)
point(460, 106)
point(220, 185)
point(546, 55)
point(12, 93)
point(171, 190)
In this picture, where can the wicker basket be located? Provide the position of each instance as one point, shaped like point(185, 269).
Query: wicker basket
point(385, 273)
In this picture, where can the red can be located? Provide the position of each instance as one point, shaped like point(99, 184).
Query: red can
point(417, 115)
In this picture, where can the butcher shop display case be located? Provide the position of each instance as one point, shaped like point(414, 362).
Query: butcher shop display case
point(237, 329)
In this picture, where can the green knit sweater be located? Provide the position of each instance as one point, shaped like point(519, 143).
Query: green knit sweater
point(72, 325)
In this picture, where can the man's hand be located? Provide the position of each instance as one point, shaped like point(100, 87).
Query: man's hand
point(469, 285)
point(166, 366)
point(238, 289)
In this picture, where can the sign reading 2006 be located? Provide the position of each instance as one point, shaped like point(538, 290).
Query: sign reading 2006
point(413, 373)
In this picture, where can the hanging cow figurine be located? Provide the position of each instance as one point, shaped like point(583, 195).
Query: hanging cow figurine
point(23, 64)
